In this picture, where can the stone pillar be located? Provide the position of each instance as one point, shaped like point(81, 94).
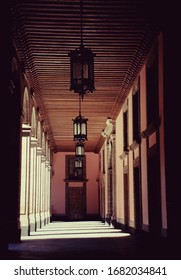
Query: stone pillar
point(106, 183)
point(143, 152)
point(33, 184)
point(25, 180)
point(101, 182)
point(48, 194)
point(42, 191)
point(38, 187)
point(102, 196)
point(113, 159)
point(107, 132)
point(109, 182)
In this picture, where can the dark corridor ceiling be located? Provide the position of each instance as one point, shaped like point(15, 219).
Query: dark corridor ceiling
point(119, 32)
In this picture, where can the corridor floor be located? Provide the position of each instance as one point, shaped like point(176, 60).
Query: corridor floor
point(89, 240)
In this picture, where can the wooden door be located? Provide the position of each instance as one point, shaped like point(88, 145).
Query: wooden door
point(76, 203)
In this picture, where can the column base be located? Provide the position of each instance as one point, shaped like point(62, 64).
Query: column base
point(37, 223)
point(108, 219)
point(113, 221)
point(24, 230)
point(48, 217)
point(42, 219)
point(24, 225)
point(32, 226)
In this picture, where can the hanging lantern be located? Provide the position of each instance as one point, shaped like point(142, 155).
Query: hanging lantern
point(79, 150)
point(82, 70)
point(80, 128)
point(82, 65)
point(82, 82)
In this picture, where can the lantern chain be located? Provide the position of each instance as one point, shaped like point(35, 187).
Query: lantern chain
point(81, 19)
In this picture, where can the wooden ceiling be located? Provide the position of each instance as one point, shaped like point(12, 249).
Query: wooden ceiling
point(119, 32)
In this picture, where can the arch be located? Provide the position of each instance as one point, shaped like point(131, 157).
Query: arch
point(26, 107)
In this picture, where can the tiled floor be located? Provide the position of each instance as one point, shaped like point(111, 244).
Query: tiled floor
point(90, 241)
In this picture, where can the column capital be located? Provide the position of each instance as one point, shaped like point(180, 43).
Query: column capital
point(43, 158)
point(34, 142)
point(39, 151)
point(26, 130)
point(47, 163)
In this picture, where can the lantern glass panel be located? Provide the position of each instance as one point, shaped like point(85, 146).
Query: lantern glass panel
point(78, 128)
point(78, 163)
point(85, 71)
point(83, 128)
point(79, 150)
point(77, 70)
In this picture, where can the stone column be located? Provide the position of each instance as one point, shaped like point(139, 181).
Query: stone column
point(46, 192)
point(48, 185)
point(113, 159)
point(106, 186)
point(107, 132)
point(143, 152)
point(33, 184)
point(49, 194)
point(102, 196)
point(109, 182)
point(38, 187)
point(25, 180)
point(42, 191)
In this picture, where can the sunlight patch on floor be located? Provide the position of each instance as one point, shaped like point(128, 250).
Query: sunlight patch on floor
point(65, 230)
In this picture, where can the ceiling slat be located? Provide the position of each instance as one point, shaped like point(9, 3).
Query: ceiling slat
point(118, 32)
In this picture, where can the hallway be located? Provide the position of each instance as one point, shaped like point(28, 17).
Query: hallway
point(110, 156)
point(87, 240)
